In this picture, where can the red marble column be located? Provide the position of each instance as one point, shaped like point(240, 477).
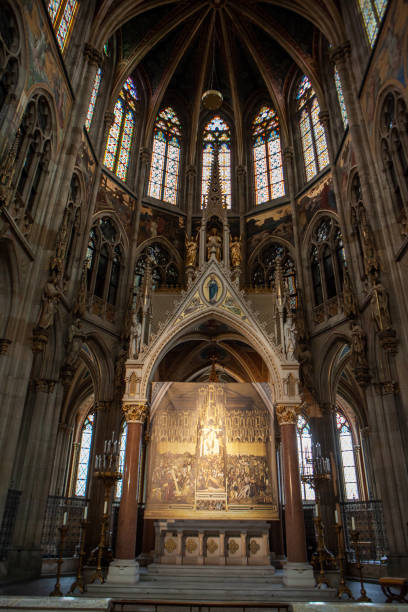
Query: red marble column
point(294, 519)
point(135, 415)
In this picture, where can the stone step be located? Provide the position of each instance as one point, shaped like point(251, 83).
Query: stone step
point(227, 571)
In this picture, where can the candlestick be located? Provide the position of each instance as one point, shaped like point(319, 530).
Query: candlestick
point(342, 588)
point(355, 543)
point(57, 588)
point(79, 580)
point(65, 520)
point(86, 512)
point(353, 524)
point(105, 507)
point(336, 517)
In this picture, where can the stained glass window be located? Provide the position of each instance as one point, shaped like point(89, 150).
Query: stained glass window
point(122, 452)
point(118, 146)
point(312, 134)
point(268, 170)
point(347, 457)
point(94, 95)
point(164, 169)
point(62, 14)
point(304, 445)
point(84, 455)
point(372, 12)
point(340, 97)
point(217, 132)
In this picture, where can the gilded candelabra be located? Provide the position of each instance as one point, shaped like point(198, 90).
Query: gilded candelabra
point(107, 470)
point(79, 580)
point(63, 532)
point(343, 588)
point(315, 471)
point(356, 545)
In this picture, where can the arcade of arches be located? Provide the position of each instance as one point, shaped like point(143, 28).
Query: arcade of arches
point(211, 296)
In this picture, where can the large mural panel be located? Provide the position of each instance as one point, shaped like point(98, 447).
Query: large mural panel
point(210, 454)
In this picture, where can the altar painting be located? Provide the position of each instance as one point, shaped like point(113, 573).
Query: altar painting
point(210, 454)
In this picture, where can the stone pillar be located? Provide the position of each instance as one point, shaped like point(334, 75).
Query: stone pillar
point(297, 571)
point(190, 183)
point(125, 569)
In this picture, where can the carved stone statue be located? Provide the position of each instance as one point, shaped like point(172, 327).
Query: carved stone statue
point(379, 302)
point(58, 260)
point(358, 347)
point(349, 301)
point(371, 264)
point(214, 244)
point(135, 336)
point(191, 251)
point(304, 357)
point(235, 249)
point(289, 334)
point(82, 296)
point(75, 340)
point(50, 299)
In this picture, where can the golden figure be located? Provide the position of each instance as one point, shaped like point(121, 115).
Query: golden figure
point(191, 251)
point(214, 244)
point(235, 249)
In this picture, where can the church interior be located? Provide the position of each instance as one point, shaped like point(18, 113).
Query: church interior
point(203, 339)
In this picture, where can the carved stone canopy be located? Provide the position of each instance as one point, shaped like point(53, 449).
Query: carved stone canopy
point(287, 414)
point(135, 412)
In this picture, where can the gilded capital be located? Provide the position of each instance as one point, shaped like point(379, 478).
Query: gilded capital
point(135, 412)
point(287, 414)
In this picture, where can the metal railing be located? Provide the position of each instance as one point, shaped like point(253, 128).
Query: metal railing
point(54, 515)
point(369, 522)
point(8, 522)
point(145, 605)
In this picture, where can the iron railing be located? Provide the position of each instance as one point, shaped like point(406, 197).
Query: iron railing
point(8, 522)
point(369, 522)
point(54, 515)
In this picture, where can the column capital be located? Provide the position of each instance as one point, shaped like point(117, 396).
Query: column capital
point(341, 53)
point(93, 55)
point(135, 412)
point(287, 414)
point(288, 154)
point(144, 155)
point(109, 118)
point(324, 117)
point(191, 171)
point(241, 170)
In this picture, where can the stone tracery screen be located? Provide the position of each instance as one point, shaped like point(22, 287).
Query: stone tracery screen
point(211, 453)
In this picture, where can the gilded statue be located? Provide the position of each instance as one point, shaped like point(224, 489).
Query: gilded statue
point(358, 347)
point(235, 250)
point(191, 251)
point(214, 244)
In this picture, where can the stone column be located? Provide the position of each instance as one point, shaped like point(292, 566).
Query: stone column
point(297, 571)
point(125, 569)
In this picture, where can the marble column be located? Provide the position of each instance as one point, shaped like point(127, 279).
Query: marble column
point(125, 569)
point(297, 571)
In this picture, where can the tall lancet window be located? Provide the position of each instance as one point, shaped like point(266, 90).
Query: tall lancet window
point(348, 464)
point(164, 169)
point(119, 143)
point(84, 456)
point(311, 130)
point(372, 12)
point(62, 14)
point(122, 452)
point(304, 444)
point(94, 95)
point(268, 170)
point(217, 133)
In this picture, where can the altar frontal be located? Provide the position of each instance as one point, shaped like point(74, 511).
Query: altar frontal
point(211, 454)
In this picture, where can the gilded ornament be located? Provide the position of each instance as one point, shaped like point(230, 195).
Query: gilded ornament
point(170, 545)
point(212, 546)
point(191, 251)
point(235, 249)
point(233, 546)
point(254, 547)
point(287, 414)
point(135, 413)
point(191, 545)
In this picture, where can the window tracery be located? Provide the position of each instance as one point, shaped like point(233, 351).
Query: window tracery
point(348, 464)
point(9, 53)
point(165, 271)
point(62, 14)
point(104, 263)
point(122, 453)
point(82, 472)
point(73, 221)
point(394, 153)
point(304, 445)
point(372, 13)
point(164, 169)
point(267, 155)
point(263, 269)
point(33, 157)
point(312, 134)
point(94, 95)
point(117, 152)
point(216, 134)
point(327, 263)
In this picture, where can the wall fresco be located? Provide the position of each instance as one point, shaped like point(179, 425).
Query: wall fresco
point(276, 221)
point(319, 197)
point(209, 454)
point(155, 222)
point(111, 197)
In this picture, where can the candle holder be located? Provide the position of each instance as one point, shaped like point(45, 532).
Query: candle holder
point(343, 588)
point(107, 470)
point(57, 588)
point(79, 581)
point(321, 548)
point(356, 546)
